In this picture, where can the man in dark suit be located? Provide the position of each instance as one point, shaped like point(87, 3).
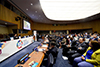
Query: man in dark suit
point(52, 50)
point(81, 48)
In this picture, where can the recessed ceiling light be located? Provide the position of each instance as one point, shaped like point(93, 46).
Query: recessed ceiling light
point(26, 9)
point(35, 11)
point(31, 4)
point(5, 23)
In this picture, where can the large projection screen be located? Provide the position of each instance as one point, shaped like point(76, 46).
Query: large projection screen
point(26, 25)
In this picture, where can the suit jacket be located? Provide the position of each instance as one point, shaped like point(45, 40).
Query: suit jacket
point(83, 47)
point(53, 51)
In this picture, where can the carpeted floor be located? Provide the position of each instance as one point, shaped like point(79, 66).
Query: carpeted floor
point(60, 62)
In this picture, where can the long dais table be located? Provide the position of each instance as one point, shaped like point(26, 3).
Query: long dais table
point(34, 56)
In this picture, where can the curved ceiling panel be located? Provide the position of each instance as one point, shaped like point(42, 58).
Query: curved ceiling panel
point(59, 11)
point(65, 10)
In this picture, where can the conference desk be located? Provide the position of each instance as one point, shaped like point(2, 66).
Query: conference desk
point(13, 46)
point(34, 56)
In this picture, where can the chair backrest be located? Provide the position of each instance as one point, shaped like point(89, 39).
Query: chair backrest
point(87, 40)
point(73, 43)
point(50, 60)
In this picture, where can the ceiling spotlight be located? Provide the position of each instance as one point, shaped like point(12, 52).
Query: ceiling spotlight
point(35, 11)
point(31, 4)
point(6, 23)
point(26, 9)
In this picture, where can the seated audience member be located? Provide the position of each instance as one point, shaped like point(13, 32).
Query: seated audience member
point(68, 46)
point(75, 38)
point(46, 40)
point(52, 50)
point(68, 41)
point(91, 58)
point(63, 44)
point(94, 37)
point(86, 35)
point(1, 47)
point(52, 40)
point(80, 47)
point(99, 40)
point(64, 39)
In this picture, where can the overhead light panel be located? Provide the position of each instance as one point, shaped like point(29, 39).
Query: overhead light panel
point(26, 9)
point(70, 9)
point(6, 23)
point(35, 11)
point(31, 4)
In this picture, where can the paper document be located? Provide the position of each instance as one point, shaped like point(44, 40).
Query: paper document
point(65, 58)
point(44, 46)
point(41, 49)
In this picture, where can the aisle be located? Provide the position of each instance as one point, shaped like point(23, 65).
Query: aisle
point(60, 62)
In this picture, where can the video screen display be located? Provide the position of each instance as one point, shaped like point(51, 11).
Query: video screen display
point(26, 25)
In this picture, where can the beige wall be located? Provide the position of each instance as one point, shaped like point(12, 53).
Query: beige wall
point(3, 30)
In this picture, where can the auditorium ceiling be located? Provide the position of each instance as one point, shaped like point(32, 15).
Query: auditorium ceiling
point(57, 12)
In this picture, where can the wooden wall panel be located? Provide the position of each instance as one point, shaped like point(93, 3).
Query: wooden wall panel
point(95, 25)
point(8, 15)
point(40, 26)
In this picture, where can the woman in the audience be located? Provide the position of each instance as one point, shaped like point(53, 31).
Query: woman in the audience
point(64, 39)
point(91, 58)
